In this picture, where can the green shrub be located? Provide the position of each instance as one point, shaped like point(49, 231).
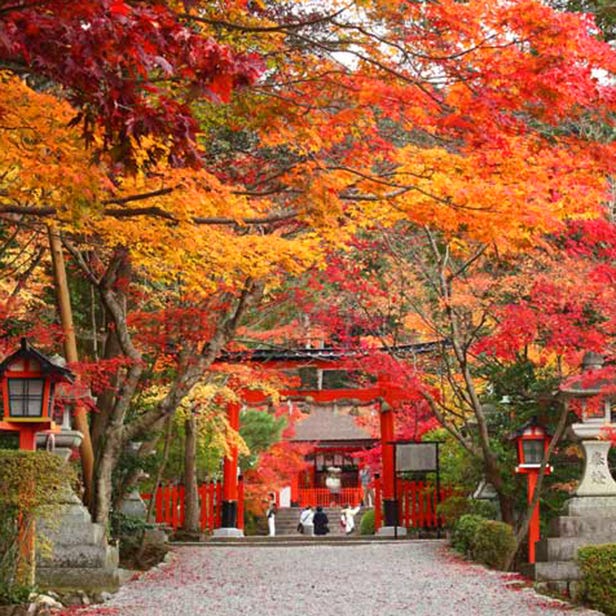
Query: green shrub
point(493, 544)
point(28, 481)
point(463, 535)
point(452, 509)
point(366, 525)
point(598, 568)
point(485, 508)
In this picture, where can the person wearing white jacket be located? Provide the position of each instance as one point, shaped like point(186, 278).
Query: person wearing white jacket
point(347, 515)
point(305, 525)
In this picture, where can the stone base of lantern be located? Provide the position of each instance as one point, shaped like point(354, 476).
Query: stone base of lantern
point(589, 520)
point(73, 551)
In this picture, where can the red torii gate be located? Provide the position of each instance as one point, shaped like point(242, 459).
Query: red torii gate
point(385, 393)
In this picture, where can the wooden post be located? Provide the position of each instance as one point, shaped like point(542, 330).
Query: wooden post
point(80, 416)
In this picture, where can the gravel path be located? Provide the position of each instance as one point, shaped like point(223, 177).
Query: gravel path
point(407, 578)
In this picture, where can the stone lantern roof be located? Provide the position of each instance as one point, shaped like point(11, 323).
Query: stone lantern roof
point(588, 383)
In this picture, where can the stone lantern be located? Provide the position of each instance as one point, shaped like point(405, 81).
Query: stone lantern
point(595, 395)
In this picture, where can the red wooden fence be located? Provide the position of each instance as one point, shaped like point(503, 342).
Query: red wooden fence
point(417, 503)
point(325, 498)
point(170, 505)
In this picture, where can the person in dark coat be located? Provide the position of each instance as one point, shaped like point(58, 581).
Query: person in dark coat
point(320, 522)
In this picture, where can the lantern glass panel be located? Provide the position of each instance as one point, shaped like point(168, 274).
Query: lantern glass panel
point(533, 451)
point(26, 397)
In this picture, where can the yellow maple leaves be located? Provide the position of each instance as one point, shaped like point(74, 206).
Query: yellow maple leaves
point(42, 160)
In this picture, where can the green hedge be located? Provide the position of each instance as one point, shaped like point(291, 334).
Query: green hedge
point(487, 541)
point(453, 508)
point(28, 479)
point(493, 544)
point(366, 525)
point(598, 567)
point(463, 535)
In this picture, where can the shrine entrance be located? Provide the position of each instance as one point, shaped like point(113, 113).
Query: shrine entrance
point(323, 383)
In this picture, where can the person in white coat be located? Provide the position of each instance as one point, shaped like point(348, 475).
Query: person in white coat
point(347, 516)
point(305, 521)
point(272, 509)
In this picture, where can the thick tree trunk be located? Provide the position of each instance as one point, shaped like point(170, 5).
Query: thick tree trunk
point(104, 484)
point(191, 498)
point(100, 420)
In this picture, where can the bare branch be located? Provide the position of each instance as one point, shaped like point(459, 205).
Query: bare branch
point(246, 28)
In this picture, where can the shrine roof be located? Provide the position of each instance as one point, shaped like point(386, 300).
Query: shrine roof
point(326, 424)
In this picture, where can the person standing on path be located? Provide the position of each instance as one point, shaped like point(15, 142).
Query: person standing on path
point(271, 515)
point(347, 515)
point(366, 480)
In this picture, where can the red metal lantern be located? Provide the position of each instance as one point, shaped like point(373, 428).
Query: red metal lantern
point(28, 381)
point(532, 441)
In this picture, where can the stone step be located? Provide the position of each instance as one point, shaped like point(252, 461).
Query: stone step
point(554, 571)
point(71, 515)
point(87, 556)
point(587, 526)
point(287, 519)
point(295, 540)
point(71, 578)
point(72, 533)
point(594, 507)
point(564, 548)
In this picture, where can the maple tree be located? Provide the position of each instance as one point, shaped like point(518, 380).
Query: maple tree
point(183, 213)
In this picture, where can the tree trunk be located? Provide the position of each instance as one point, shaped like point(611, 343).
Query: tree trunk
point(105, 400)
point(191, 498)
point(104, 477)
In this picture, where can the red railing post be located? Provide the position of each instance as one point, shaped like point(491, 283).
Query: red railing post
point(182, 499)
point(201, 490)
point(168, 505)
point(174, 507)
point(378, 512)
point(158, 495)
point(421, 504)
point(294, 491)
